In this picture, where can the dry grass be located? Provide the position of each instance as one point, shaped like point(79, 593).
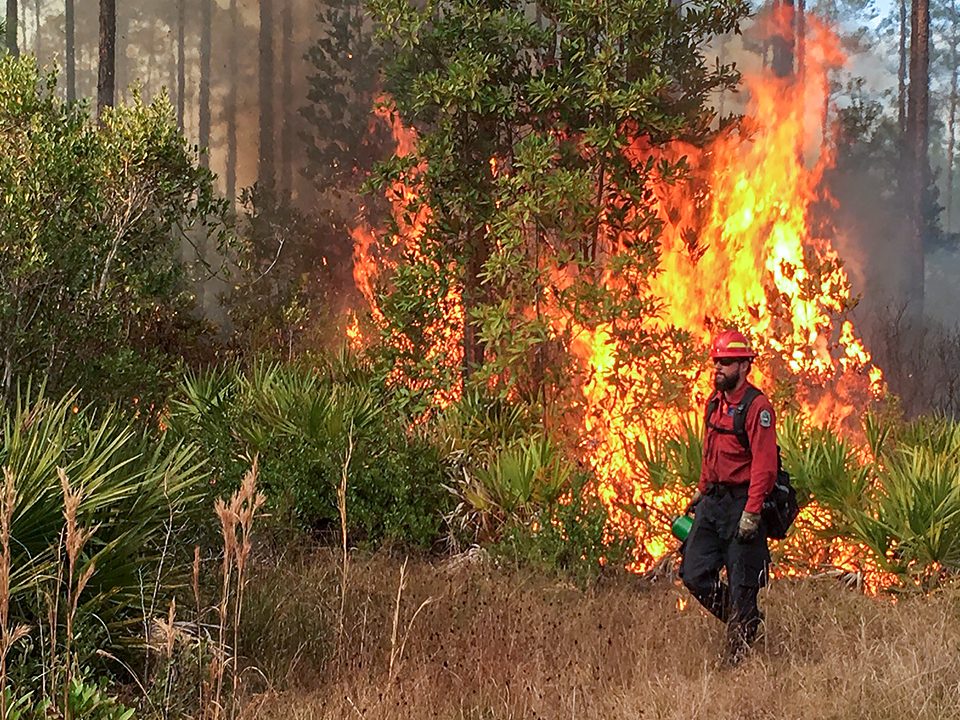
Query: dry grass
point(496, 646)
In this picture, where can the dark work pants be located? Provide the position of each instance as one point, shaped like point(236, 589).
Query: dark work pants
point(711, 545)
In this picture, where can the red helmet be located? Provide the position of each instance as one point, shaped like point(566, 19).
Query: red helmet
point(731, 344)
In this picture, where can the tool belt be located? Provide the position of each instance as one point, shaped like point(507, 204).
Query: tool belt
point(737, 490)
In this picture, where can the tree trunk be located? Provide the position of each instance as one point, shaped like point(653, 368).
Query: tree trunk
point(36, 37)
point(108, 55)
point(783, 44)
point(801, 35)
point(266, 170)
point(473, 296)
point(12, 22)
point(181, 61)
point(952, 115)
point(205, 42)
point(288, 114)
point(231, 108)
point(70, 27)
point(722, 58)
point(917, 165)
point(902, 72)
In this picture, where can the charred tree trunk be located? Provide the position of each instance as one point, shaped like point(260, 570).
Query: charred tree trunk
point(12, 23)
point(917, 166)
point(783, 42)
point(288, 114)
point(231, 108)
point(722, 58)
point(952, 116)
point(902, 73)
point(69, 18)
point(205, 42)
point(181, 62)
point(800, 26)
point(267, 172)
point(473, 295)
point(108, 55)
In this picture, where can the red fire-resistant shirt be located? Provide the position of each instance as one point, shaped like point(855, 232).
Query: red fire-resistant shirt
point(726, 461)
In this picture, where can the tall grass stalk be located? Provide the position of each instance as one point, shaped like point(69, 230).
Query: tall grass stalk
point(342, 509)
point(8, 637)
point(197, 622)
point(76, 539)
point(236, 522)
point(227, 516)
point(168, 648)
point(396, 650)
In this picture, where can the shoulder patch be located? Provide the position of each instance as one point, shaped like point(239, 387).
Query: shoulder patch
point(766, 419)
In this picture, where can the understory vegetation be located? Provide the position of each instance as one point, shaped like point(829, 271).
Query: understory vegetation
point(308, 510)
point(178, 558)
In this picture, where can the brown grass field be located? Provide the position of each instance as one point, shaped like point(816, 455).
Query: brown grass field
point(468, 640)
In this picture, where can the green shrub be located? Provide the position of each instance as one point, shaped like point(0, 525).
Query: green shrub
point(304, 423)
point(93, 290)
point(674, 455)
point(569, 537)
point(137, 498)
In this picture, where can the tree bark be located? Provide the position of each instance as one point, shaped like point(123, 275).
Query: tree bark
point(288, 114)
point(181, 62)
point(70, 23)
point(952, 115)
point(918, 131)
point(106, 77)
point(205, 42)
point(231, 108)
point(902, 72)
point(267, 173)
point(473, 295)
point(783, 44)
point(12, 24)
point(801, 35)
point(36, 37)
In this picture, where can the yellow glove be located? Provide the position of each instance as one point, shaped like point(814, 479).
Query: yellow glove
point(749, 525)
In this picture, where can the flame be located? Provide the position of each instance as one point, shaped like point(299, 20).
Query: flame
point(443, 339)
point(736, 243)
point(744, 249)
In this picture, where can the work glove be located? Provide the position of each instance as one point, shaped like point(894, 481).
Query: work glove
point(749, 526)
point(694, 501)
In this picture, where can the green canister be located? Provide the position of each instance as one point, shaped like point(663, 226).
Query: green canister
point(681, 527)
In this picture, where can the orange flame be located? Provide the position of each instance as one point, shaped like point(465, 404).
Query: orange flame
point(445, 339)
point(743, 249)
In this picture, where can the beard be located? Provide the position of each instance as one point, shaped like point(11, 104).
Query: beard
point(725, 383)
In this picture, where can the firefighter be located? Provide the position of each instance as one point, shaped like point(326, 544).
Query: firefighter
point(739, 468)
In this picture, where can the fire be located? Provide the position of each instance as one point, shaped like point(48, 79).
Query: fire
point(755, 258)
point(744, 249)
point(369, 266)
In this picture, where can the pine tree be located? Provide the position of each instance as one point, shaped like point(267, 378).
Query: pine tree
point(106, 78)
point(917, 165)
point(71, 49)
point(267, 172)
point(181, 62)
point(231, 105)
point(205, 42)
point(287, 113)
point(11, 28)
